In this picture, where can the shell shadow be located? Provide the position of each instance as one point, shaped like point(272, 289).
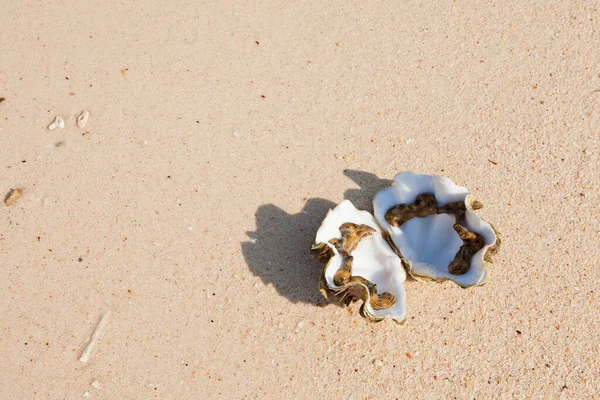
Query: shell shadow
point(278, 251)
point(369, 183)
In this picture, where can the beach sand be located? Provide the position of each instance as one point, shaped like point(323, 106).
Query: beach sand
point(219, 135)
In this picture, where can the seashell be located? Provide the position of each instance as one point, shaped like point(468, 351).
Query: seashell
point(83, 118)
point(12, 196)
point(57, 123)
point(360, 264)
point(424, 225)
point(431, 222)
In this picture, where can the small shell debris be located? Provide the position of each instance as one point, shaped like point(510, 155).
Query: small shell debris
point(96, 384)
point(346, 158)
point(378, 363)
point(12, 196)
point(83, 118)
point(57, 123)
point(85, 354)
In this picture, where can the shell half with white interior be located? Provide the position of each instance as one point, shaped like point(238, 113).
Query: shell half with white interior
point(360, 264)
point(432, 223)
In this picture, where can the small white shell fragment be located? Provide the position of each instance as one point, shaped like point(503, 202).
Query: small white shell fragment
point(85, 394)
point(57, 123)
point(85, 354)
point(83, 118)
point(96, 384)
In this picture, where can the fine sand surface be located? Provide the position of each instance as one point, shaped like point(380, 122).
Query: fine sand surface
point(219, 135)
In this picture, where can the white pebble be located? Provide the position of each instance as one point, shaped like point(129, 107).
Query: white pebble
point(236, 134)
point(96, 384)
point(378, 363)
point(83, 118)
point(57, 123)
point(85, 394)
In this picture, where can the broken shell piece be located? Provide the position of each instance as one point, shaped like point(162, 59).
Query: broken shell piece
point(57, 123)
point(360, 264)
point(83, 118)
point(12, 196)
point(94, 339)
point(431, 222)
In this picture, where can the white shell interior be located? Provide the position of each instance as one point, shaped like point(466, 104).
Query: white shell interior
point(342, 213)
point(429, 244)
point(373, 258)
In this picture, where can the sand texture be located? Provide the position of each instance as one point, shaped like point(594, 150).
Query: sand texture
point(218, 136)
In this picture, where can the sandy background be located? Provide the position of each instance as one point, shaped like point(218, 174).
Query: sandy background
point(221, 133)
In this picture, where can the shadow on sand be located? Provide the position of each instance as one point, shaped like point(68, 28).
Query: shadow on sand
point(278, 251)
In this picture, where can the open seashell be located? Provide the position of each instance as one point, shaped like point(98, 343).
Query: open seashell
point(431, 222)
point(360, 264)
point(424, 225)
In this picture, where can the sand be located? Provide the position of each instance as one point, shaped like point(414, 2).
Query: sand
point(219, 135)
